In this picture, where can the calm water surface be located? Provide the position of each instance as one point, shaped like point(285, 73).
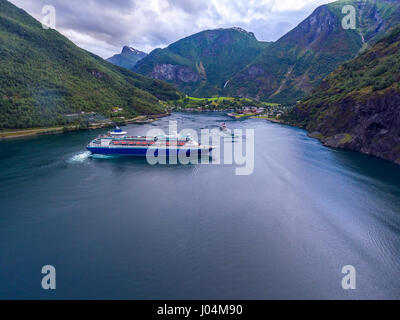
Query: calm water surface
point(119, 228)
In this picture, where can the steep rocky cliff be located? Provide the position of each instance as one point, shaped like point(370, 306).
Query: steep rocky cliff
point(358, 106)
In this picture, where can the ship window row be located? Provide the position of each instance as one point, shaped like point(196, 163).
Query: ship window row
point(147, 143)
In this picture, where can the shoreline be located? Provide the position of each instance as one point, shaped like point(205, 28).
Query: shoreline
point(316, 136)
point(32, 132)
point(274, 120)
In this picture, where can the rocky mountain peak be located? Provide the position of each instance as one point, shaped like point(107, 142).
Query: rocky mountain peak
point(131, 50)
point(128, 57)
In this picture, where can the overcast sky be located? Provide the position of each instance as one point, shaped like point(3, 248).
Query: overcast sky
point(104, 26)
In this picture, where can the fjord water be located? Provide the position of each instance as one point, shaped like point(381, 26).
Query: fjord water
point(116, 227)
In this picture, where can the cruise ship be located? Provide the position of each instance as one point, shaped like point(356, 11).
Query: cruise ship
point(117, 142)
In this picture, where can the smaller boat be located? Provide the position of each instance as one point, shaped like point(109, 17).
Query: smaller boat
point(223, 126)
point(225, 131)
point(117, 133)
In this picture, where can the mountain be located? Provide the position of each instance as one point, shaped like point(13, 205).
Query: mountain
point(201, 64)
point(44, 76)
point(127, 58)
point(290, 68)
point(358, 106)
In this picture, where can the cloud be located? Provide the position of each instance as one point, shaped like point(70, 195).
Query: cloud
point(103, 26)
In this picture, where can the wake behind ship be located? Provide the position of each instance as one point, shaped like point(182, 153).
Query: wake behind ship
point(117, 142)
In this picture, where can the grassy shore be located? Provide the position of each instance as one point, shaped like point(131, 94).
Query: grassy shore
point(267, 118)
point(219, 103)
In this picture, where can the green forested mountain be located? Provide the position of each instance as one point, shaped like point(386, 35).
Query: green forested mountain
point(43, 76)
point(358, 106)
point(231, 62)
point(201, 64)
point(127, 58)
point(290, 68)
